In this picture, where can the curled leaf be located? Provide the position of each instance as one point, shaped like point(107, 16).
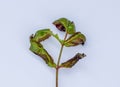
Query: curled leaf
point(40, 51)
point(65, 25)
point(71, 62)
point(76, 39)
point(41, 35)
point(37, 47)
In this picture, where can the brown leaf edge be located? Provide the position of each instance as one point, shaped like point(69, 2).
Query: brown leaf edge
point(71, 62)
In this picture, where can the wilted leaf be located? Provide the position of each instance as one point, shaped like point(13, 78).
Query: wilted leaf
point(65, 25)
point(76, 39)
point(39, 50)
point(41, 35)
point(71, 62)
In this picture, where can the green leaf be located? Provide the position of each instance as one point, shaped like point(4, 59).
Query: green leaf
point(57, 37)
point(71, 62)
point(38, 48)
point(40, 51)
point(65, 25)
point(41, 35)
point(74, 40)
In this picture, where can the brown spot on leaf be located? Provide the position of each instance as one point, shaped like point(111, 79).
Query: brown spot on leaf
point(71, 62)
point(59, 26)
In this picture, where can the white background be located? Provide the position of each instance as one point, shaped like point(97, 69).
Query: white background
point(99, 20)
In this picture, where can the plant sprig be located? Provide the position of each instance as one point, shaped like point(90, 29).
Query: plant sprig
point(76, 38)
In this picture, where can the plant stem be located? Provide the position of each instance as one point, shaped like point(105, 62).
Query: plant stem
point(57, 68)
point(57, 77)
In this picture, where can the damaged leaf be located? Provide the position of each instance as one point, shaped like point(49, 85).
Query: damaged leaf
point(76, 39)
point(71, 62)
point(41, 35)
point(65, 25)
point(38, 48)
point(40, 51)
